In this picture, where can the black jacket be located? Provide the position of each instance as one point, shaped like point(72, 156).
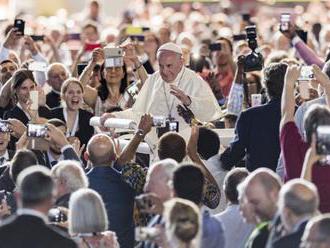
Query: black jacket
point(53, 100)
point(256, 137)
point(85, 131)
point(31, 231)
point(292, 240)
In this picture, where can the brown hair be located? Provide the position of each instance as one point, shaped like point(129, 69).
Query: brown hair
point(67, 83)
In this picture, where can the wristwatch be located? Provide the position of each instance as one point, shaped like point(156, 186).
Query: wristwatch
point(139, 133)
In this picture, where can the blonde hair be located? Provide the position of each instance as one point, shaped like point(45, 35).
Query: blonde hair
point(87, 212)
point(183, 222)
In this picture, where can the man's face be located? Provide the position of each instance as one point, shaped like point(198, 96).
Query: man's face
point(170, 64)
point(89, 34)
point(4, 140)
point(157, 183)
point(6, 71)
point(56, 76)
point(164, 35)
point(247, 210)
point(263, 203)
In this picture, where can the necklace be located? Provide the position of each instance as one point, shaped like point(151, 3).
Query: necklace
point(169, 108)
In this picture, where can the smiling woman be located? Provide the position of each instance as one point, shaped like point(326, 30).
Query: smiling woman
point(77, 119)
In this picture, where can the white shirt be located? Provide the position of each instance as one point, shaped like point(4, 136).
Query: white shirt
point(154, 100)
point(236, 230)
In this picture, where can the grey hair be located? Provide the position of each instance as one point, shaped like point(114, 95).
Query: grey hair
point(71, 173)
point(300, 204)
point(50, 68)
point(87, 212)
point(169, 165)
point(322, 222)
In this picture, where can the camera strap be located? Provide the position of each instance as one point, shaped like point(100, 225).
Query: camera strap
point(170, 107)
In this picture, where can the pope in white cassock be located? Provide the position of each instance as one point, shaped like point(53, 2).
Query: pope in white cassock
point(172, 85)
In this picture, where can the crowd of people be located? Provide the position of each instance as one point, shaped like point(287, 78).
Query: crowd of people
point(177, 76)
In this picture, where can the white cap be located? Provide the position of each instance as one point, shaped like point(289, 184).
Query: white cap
point(170, 46)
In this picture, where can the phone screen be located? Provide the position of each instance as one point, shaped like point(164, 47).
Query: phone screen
point(36, 130)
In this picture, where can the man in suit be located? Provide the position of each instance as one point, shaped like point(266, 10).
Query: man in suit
point(257, 129)
point(298, 202)
point(117, 195)
point(56, 75)
point(28, 228)
point(262, 190)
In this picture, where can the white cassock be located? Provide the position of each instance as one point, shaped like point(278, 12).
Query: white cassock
point(155, 99)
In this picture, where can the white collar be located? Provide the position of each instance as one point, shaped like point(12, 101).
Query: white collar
point(32, 212)
point(57, 92)
point(51, 158)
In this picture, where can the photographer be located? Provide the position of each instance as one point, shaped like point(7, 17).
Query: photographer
point(294, 146)
point(243, 87)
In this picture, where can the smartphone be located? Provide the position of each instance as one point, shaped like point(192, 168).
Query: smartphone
point(323, 140)
point(73, 36)
point(37, 66)
point(34, 98)
point(135, 30)
point(139, 38)
point(91, 46)
point(215, 47)
point(306, 73)
point(55, 215)
point(80, 68)
point(37, 130)
point(20, 25)
point(238, 37)
point(37, 37)
point(285, 22)
point(173, 126)
point(255, 100)
point(304, 90)
point(4, 126)
point(111, 52)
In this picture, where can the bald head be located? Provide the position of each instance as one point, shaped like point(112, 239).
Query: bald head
point(299, 196)
point(100, 149)
point(266, 178)
point(57, 74)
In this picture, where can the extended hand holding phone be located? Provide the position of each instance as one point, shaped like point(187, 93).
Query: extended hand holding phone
point(19, 24)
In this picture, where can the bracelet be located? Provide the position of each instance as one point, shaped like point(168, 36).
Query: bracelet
point(136, 68)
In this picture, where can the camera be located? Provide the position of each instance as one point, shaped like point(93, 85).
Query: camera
point(170, 126)
point(37, 131)
point(4, 127)
point(55, 215)
point(323, 140)
point(253, 61)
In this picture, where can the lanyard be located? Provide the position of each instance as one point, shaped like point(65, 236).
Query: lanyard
point(70, 133)
point(169, 108)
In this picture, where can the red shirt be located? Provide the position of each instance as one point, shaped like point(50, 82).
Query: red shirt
point(294, 149)
point(225, 81)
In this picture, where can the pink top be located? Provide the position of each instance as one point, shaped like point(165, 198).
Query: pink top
point(294, 149)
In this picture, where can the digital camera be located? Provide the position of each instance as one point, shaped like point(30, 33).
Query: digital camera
point(253, 61)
